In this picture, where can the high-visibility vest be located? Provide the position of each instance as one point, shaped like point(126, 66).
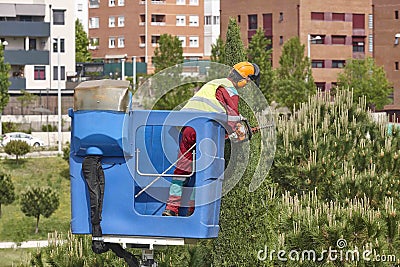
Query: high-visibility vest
point(205, 99)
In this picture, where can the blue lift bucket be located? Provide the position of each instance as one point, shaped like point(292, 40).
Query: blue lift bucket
point(136, 147)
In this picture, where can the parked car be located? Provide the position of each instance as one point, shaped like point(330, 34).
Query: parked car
point(33, 141)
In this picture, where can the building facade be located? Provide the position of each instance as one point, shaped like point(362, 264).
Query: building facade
point(332, 31)
point(386, 14)
point(39, 44)
point(82, 13)
point(120, 30)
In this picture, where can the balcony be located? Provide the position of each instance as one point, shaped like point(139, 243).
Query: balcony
point(24, 28)
point(17, 83)
point(23, 57)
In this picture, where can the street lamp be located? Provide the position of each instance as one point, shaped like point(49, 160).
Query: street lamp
point(134, 72)
point(57, 41)
point(309, 40)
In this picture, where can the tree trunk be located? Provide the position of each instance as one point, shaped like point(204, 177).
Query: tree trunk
point(0, 210)
point(37, 224)
point(16, 158)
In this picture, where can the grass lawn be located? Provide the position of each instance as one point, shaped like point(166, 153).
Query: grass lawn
point(53, 172)
point(12, 257)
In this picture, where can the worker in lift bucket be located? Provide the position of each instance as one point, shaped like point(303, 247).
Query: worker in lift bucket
point(221, 96)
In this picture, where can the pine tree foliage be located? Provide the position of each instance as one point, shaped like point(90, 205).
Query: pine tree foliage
point(7, 193)
point(366, 79)
point(259, 53)
point(82, 53)
point(294, 81)
point(168, 59)
point(335, 176)
point(234, 48)
point(218, 51)
point(39, 201)
point(168, 53)
point(17, 148)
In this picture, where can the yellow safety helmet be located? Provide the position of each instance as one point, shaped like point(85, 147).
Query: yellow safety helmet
point(247, 70)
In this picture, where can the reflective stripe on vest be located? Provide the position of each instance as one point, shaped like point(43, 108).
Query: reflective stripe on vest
point(205, 99)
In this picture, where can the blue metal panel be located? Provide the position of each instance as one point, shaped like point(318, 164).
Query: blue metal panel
point(156, 134)
point(26, 57)
point(17, 83)
point(24, 28)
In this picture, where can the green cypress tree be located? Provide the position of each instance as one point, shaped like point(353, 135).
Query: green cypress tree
point(7, 194)
point(218, 51)
point(366, 79)
point(259, 53)
point(4, 83)
point(294, 81)
point(234, 48)
point(82, 53)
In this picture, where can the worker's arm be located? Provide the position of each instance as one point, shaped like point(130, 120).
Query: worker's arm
point(231, 103)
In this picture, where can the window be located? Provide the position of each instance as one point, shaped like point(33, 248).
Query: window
point(62, 45)
point(180, 2)
point(94, 23)
point(62, 73)
point(338, 64)
point(358, 44)
point(320, 86)
point(111, 42)
point(155, 39)
point(121, 21)
point(338, 39)
point(142, 19)
point(80, 7)
point(252, 22)
point(194, 41)
point(194, 2)
point(194, 21)
point(58, 17)
point(396, 65)
point(39, 73)
point(216, 20)
point(111, 22)
point(121, 2)
point(281, 40)
point(238, 18)
point(121, 42)
point(317, 15)
point(32, 44)
point(370, 21)
point(318, 64)
point(338, 16)
point(207, 20)
point(280, 16)
point(358, 21)
point(93, 3)
point(94, 42)
point(180, 20)
point(157, 19)
point(183, 40)
point(396, 14)
point(267, 24)
point(111, 2)
point(316, 40)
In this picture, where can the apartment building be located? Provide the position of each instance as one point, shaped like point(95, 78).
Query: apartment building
point(386, 14)
point(332, 31)
point(82, 13)
point(120, 30)
point(39, 43)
